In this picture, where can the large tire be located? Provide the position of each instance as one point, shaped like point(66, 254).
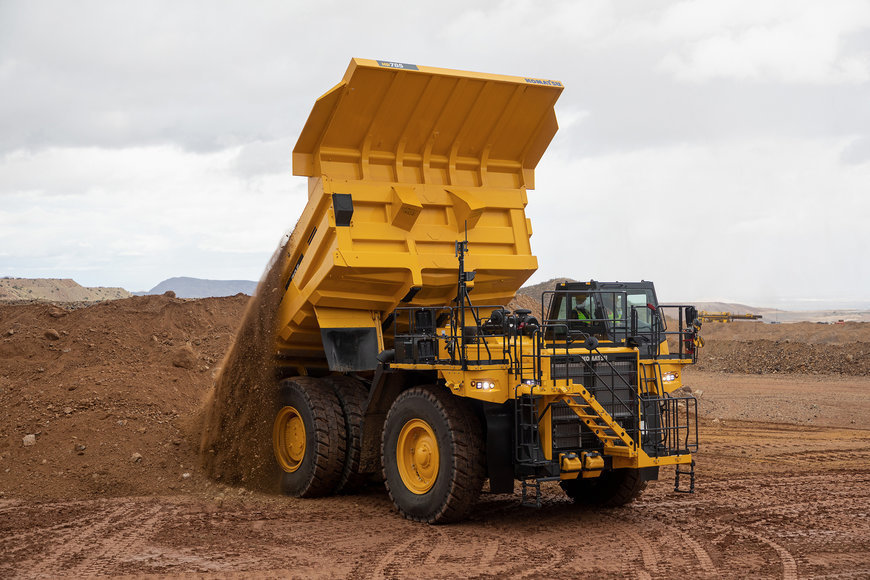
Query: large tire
point(437, 474)
point(352, 397)
point(610, 489)
point(308, 437)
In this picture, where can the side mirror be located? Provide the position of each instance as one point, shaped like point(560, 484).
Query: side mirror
point(691, 315)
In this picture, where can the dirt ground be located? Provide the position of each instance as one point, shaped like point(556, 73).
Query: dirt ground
point(783, 475)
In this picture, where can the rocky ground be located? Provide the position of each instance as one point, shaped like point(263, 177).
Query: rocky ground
point(99, 467)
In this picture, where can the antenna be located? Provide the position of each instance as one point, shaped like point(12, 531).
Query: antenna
point(462, 293)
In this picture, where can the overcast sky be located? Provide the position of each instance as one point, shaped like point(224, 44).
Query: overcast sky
point(721, 149)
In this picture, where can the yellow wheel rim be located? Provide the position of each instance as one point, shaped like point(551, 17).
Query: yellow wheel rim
point(288, 439)
point(417, 456)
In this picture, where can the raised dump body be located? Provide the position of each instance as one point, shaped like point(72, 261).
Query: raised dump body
point(402, 161)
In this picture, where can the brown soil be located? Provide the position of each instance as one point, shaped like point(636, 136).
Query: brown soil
point(783, 477)
point(123, 377)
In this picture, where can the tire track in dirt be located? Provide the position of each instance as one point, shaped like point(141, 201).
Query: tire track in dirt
point(99, 561)
point(57, 560)
point(703, 557)
point(862, 573)
point(383, 566)
point(650, 555)
point(787, 561)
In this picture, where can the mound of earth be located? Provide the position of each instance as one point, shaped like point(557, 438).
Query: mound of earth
point(769, 357)
point(807, 332)
point(55, 289)
point(101, 400)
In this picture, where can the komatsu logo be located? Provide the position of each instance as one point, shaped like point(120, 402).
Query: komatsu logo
point(544, 82)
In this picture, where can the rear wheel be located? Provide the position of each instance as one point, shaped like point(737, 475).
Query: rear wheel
point(610, 489)
point(308, 437)
point(352, 396)
point(432, 451)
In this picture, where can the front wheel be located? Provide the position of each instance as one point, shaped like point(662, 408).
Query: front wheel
point(432, 451)
point(610, 489)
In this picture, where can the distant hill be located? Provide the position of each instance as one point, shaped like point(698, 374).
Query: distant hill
point(56, 289)
point(535, 290)
point(185, 287)
point(731, 307)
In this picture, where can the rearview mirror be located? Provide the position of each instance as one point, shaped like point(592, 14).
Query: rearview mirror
point(691, 315)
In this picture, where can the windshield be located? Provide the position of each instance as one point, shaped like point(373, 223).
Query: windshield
point(603, 312)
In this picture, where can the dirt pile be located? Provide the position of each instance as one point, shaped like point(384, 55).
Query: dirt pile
point(767, 356)
point(236, 444)
point(806, 332)
point(55, 289)
point(99, 401)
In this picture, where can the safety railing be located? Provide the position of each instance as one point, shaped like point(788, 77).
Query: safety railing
point(669, 426)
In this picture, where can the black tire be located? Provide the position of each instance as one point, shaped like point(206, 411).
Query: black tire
point(610, 489)
point(352, 397)
point(320, 468)
point(461, 466)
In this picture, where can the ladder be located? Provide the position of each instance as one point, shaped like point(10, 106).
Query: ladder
point(616, 439)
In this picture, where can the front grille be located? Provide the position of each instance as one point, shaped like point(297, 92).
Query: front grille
point(612, 380)
point(569, 432)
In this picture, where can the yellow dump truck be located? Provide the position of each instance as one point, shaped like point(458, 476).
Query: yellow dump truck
point(396, 355)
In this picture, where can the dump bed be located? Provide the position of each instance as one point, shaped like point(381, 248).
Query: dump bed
point(401, 160)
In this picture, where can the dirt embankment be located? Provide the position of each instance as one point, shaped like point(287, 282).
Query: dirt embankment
point(769, 357)
point(99, 401)
point(799, 348)
point(57, 289)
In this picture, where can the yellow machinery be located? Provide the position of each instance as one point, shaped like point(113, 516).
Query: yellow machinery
point(417, 189)
point(725, 316)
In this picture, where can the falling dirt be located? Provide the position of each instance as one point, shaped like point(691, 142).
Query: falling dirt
point(236, 444)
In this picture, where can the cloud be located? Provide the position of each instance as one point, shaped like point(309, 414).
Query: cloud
point(747, 221)
point(792, 42)
point(119, 213)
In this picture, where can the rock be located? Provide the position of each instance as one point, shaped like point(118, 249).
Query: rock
point(10, 332)
point(169, 294)
point(185, 475)
point(52, 334)
point(80, 448)
point(67, 410)
point(136, 457)
point(56, 312)
point(184, 357)
point(29, 440)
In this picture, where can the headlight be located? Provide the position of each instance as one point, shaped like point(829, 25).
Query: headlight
point(669, 377)
point(531, 382)
point(483, 384)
